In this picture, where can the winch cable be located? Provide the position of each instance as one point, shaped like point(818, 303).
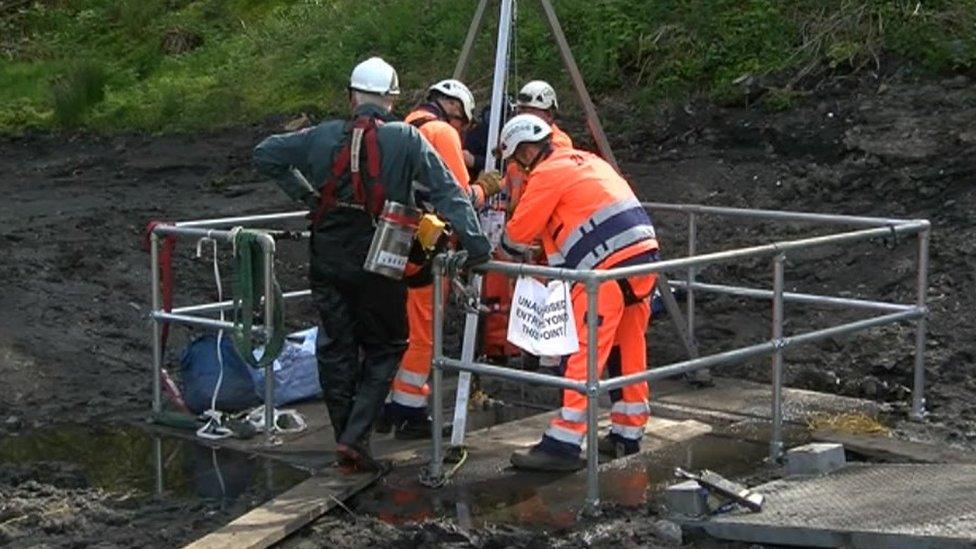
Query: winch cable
point(249, 264)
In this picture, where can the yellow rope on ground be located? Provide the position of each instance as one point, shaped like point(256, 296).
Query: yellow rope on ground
point(854, 423)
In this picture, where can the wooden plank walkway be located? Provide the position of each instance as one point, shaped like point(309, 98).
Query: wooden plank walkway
point(276, 519)
point(896, 450)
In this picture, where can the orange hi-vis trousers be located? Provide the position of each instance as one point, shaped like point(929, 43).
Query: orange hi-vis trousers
point(410, 384)
point(621, 329)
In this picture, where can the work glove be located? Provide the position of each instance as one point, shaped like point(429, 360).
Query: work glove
point(490, 183)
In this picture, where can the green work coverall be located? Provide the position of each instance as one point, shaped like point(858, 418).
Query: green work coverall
point(363, 330)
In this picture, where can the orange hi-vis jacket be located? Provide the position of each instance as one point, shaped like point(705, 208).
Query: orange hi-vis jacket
point(561, 139)
point(586, 214)
point(444, 139)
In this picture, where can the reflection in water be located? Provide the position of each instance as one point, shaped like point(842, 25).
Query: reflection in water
point(122, 458)
point(552, 501)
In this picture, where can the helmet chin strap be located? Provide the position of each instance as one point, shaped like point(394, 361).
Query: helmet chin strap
point(544, 151)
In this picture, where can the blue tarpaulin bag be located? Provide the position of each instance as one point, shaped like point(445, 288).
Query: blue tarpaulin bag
point(296, 370)
point(200, 368)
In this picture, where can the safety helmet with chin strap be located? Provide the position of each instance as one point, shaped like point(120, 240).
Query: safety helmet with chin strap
point(375, 76)
point(524, 128)
point(455, 89)
point(537, 94)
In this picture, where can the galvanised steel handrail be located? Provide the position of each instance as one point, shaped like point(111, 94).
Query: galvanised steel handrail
point(593, 387)
point(866, 228)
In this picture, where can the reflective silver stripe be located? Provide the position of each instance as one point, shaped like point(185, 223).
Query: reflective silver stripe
point(630, 408)
point(597, 218)
point(354, 146)
point(619, 242)
point(573, 415)
point(555, 259)
point(412, 401)
point(412, 378)
point(564, 435)
point(627, 431)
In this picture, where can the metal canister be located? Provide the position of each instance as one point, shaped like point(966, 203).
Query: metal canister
point(395, 229)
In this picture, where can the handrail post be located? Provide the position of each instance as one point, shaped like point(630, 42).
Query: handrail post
point(921, 326)
point(435, 469)
point(270, 427)
point(592, 506)
point(157, 327)
point(690, 290)
point(776, 439)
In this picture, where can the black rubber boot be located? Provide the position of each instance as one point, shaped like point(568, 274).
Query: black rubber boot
point(539, 459)
point(615, 446)
point(358, 459)
point(383, 424)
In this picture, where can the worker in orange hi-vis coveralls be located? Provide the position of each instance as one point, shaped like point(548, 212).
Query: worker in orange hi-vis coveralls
point(588, 218)
point(441, 119)
point(539, 98)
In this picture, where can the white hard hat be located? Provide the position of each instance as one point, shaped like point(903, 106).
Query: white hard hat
point(537, 94)
point(375, 76)
point(524, 128)
point(456, 90)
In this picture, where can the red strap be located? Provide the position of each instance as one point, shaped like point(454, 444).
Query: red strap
point(327, 199)
point(377, 194)
point(165, 268)
point(166, 288)
point(405, 220)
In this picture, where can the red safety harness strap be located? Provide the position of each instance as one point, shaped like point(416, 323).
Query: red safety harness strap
point(360, 133)
point(165, 270)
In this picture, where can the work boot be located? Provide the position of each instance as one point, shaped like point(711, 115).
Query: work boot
point(355, 459)
point(700, 378)
point(538, 458)
point(616, 446)
point(416, 429)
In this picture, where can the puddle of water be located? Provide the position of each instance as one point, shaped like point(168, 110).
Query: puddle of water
point(551, 501)
point(127, 459)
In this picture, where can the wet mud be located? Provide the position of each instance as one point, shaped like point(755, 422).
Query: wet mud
point(74, 339)
point(80, 485)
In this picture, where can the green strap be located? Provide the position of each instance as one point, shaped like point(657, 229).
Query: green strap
point(249, 283)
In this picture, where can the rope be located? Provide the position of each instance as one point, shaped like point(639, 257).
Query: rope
point(248, 283)
point(214, 428)
point(459, 455)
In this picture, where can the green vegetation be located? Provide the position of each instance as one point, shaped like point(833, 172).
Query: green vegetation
point(183, 65)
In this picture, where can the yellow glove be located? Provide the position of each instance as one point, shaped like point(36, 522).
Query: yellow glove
point(429, 231)
point(490, 182)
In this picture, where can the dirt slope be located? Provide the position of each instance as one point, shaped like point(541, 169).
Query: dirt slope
point(74, 280)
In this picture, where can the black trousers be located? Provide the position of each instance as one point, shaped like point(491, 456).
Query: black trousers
point(364, 318)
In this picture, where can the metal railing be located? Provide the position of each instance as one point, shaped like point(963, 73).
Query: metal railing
point(867, 228)
point(213, 229)
point(592, 387)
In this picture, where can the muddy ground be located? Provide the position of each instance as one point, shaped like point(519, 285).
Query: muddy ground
point(74, 340)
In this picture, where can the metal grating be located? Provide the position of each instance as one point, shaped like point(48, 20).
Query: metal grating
point(896, 505)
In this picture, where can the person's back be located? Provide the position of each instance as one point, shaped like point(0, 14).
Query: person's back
point(444, 138)
point(588, 218)
point(588, 215)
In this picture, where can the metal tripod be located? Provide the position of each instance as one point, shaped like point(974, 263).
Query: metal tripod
point(503, 54)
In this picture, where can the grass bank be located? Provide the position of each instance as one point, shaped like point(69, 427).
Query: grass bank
point(187, 65)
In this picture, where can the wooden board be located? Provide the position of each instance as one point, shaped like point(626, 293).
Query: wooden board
point(896, 450)
point(754, 400)
point(276, 519)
